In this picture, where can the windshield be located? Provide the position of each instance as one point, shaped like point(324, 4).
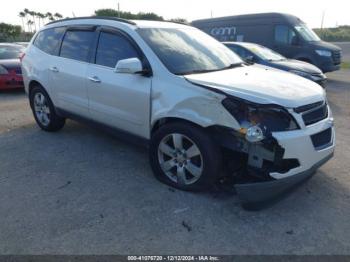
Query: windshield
point(10, 52)
point(264, 53)
point(189, 50)
point(306, 33)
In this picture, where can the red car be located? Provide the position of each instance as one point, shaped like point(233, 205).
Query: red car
point(10, 66)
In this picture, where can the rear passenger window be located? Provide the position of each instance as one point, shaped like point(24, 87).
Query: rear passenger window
point(112, 48)
point(49, 40)
point(284, 34)
point(76, 45)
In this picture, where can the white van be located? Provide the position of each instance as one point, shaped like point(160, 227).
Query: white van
point(201, 109)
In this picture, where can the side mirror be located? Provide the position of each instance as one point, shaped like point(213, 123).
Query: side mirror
point(250, 59)
point(129, 66)
point(295, 40)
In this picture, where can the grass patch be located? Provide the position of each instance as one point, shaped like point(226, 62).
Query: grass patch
point(345, 65)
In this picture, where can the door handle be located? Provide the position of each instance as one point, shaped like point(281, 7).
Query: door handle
point(54, 69)
point(94, 79)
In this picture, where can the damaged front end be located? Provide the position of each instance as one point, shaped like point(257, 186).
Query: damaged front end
point(260, 154)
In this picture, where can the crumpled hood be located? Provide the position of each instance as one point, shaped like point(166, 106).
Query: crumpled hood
point(262, 85)
point(292, 64)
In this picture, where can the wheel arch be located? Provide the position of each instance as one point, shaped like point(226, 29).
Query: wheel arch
point(166, 120)
point(34, 83)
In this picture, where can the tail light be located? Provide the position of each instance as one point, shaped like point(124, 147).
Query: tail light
point(22, 56)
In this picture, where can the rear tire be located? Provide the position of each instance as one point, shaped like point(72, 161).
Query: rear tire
point(44, 110)
point(183, 156)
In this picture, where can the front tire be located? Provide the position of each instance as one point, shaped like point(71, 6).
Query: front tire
point(44, 110)
point(183, 156)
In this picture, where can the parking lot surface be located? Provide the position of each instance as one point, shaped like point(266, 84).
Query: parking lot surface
point(82, 191)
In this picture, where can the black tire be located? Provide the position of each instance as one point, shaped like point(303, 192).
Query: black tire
point(210, 156)
point(55, 122)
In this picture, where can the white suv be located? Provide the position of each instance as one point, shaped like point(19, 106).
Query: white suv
point(202, 110)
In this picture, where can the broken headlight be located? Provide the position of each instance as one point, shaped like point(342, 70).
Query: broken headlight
point(269, 118)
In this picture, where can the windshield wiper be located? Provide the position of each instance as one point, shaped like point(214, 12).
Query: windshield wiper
point(196, 72)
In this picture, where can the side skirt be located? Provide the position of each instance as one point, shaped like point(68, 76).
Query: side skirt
point(121, 134)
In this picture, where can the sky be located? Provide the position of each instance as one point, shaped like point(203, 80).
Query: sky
point(310, 11)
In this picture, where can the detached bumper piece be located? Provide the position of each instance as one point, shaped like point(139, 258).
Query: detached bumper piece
point(259, 193)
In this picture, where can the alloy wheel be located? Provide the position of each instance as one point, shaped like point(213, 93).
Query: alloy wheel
point(180, 159)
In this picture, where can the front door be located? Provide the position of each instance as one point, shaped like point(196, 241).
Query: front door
point(286, 41)
point(119, 100)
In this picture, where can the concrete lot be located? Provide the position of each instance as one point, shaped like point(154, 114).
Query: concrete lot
point(81, 191)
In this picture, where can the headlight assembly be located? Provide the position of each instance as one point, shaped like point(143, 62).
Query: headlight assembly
point(324, 53)
point(256, 119)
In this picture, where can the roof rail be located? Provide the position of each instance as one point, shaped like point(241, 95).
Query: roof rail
point(94, 17)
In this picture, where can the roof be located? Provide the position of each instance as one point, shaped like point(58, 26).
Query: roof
point(250, 16)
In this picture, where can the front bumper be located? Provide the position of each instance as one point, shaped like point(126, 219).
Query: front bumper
point(265, 191)
point(297, 145)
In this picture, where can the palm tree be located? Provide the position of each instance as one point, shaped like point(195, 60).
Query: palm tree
point(41, 17)
point(22, 15)
point(30, 23)
point(49, 16)
point(33, 13)
point(26, 12)
point(58, 16)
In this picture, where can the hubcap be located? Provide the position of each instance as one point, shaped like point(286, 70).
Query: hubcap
point(41, 109)
point(180, 159)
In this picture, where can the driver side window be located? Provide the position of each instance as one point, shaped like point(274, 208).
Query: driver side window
point(112, 48)
point(284, 34)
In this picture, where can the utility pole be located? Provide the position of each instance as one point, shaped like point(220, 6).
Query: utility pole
point(118, 10)
point(322, 20)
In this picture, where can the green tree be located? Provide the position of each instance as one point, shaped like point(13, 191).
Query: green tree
point(50, 16)
point(58, 16)
point(9, 32)
point(341, 33)
point(128, 15)
point(179, 20)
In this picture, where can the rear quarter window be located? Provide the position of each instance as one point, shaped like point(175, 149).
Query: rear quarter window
point(49, 40)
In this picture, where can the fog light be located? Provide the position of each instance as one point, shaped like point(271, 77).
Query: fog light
point(254, 134)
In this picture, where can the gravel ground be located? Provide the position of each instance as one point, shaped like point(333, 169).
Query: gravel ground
point(82, 191)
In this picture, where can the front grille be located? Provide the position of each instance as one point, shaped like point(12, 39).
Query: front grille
point(316, 115)
point(336, 55)
point(302, 109)
point(322, 139)
point(313, 113)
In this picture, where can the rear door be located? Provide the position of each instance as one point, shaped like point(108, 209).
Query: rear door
point(68, 70)
point(118, 99)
